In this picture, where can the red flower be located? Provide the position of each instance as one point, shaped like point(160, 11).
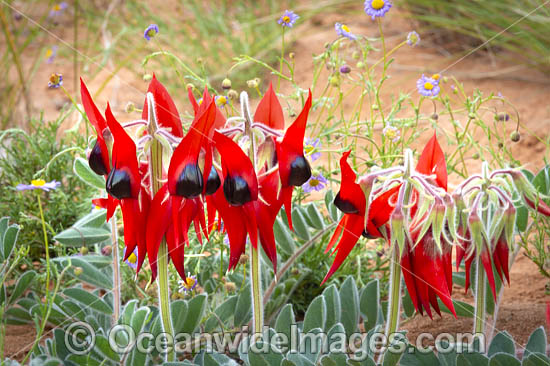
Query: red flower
point(294, 169)
point(99, 156)
point(124, 184)
point(351, 201)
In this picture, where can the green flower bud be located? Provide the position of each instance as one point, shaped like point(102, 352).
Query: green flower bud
point(360, 65)
point(334, 81)
point(190, 85)
point(355, 55)
point(130, 107)
point(252, 84)
point(515, 136)
point(147, 77)
point(226, 84)
point(78, 271)
point(232, 95)
point(84, 250)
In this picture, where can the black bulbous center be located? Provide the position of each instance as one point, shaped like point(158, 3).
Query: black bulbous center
point(190, 183)
point(95, 161)
point(236, 191)
point(213, 182)
point(300, 171)
point(119, 184)
point(344, 205)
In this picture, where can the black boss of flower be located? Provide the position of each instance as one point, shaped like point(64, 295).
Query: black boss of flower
point(96, 161)
point(300, 171)
point(213, 182)
point(118, 184)
point(190, 183)
point(344, 205)
point(236, 191)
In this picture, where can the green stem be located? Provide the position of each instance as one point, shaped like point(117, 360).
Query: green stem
point(480, 311)
point(46, 245)
point(255, 265)
point(116, 271)
point(282, 59)
point(394, 301)
point(155, 161)
point(257, 304)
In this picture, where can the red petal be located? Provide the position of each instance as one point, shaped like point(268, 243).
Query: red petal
point(134, 229)
point(410, 282)
point(124, 152)
point(380, 211)
point(269, 110)
point(187, 152)
point(167, 113)
point(292, 144)
point(336, 235)
point(502, 253)
point(97, 120)
point(236, 163)
point(352, 228)
point(93, 113)
point(350, 191)
point(286, 198)
point(432, 160)
point(542, 207)
point(233, 220)
point(486, 261)
point(158, 223)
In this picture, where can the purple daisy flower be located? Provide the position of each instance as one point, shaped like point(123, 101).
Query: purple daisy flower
point(51, 53)
point(391, 133)
point(58, 9)
point(151, 31)
point(56, 80)
point(413, 38)
point(38, 184)
point(311, 148)
point(377, 8)
point(343, 31)
point(428, 87)
point(221, 101)
point(132, 260)
point(315, 183)
point(288, 19)
point(189, 284)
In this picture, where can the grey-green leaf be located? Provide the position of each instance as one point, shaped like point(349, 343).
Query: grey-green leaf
point(316, 314)
point(88, 299)
point(86, 174)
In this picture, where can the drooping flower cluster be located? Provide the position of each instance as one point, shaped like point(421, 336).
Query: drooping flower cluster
point(411, 209)
point(160, 202)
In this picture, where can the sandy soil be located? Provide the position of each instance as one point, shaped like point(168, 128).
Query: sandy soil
point(523, 305)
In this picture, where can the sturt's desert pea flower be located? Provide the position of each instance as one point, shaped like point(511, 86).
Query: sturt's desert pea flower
point(403, 208)
point(245, 197)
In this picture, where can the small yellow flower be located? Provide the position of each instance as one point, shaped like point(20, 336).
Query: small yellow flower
point(436, 76)
point(346, 28)
point(428, 86)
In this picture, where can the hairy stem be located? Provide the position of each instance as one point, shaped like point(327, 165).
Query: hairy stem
point(155, 163)
point(116, 271)
point(480, 310)
point(394, 302)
